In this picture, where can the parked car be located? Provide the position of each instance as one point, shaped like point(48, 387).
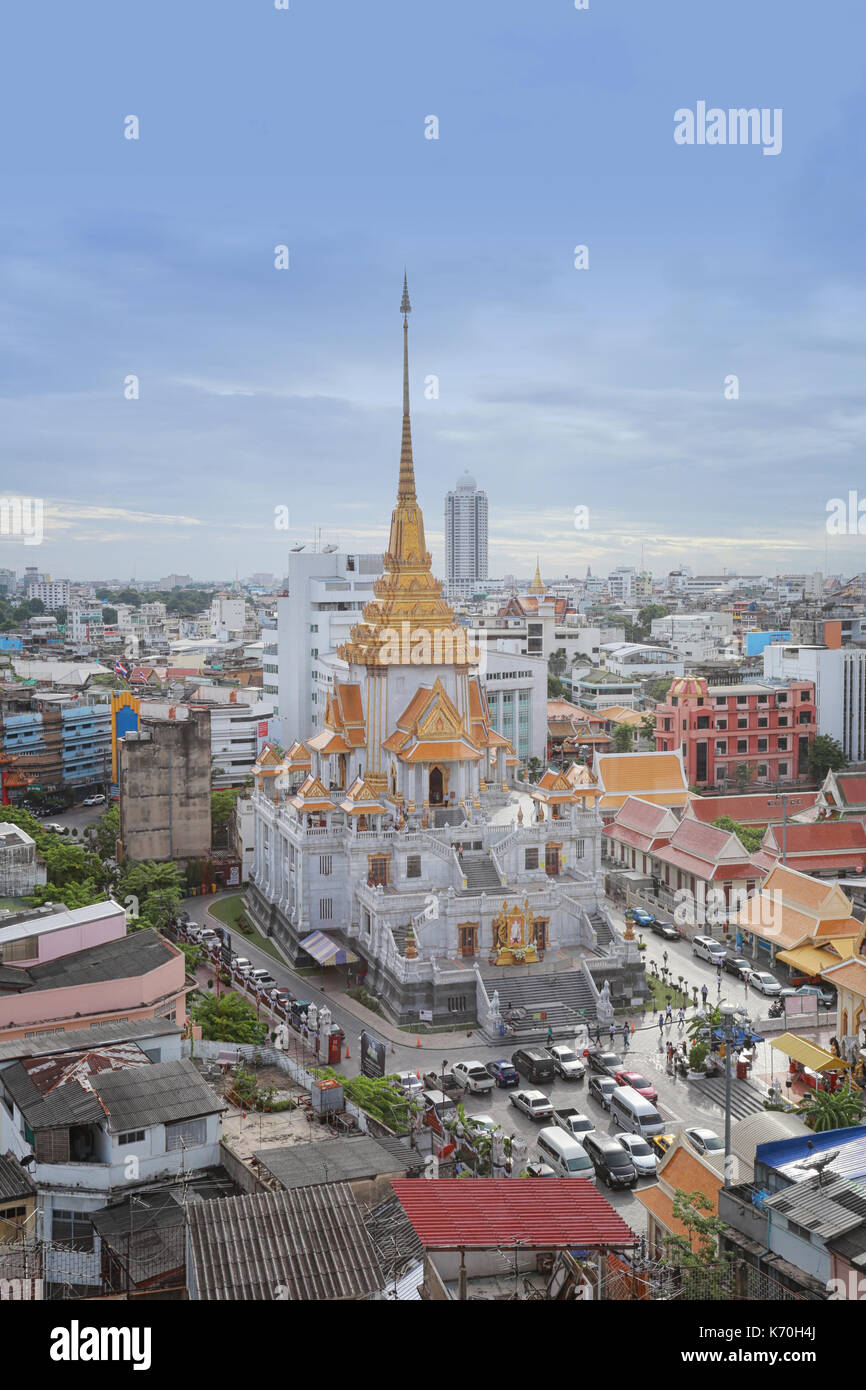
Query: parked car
point(263, 980)
point(638, 1083)
point(826, 998)
point(96, 800)
point(608, 1062)
point(566, 1063)
point(708, 948)
point(764, 982)
point(642, 918)
point(737, 965)
point(536, 1169)
point(408, 1083)
point(535, 1104)
point(503, 1073)
point(667, 930)
point(282, 998)
point(573, 1121)
point(601, 1088)
point(611, 1160)
point(704, 1141)
point(660, 1143)
point(640, 1154)
point(437, 1107)
point(58, 829)
point(297, 1012)
point(534, 1064)
point(472, 1076)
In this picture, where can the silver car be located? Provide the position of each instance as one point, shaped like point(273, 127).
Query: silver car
point(762, 980)
point(641, 1154)
point(566, 1063)
point(535, 1104)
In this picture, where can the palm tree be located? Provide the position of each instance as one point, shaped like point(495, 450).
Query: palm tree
point(825, 1110)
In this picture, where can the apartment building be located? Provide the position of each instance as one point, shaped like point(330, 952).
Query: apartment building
point(765, 728)
point(53, 593)
point(839, 677)
point(465, 538)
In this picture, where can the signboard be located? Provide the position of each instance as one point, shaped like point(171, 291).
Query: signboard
point(425, 1015)
point(372, 1056)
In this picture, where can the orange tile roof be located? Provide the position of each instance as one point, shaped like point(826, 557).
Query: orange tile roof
point(641, 772)
point(329, 742)
point(609, 803)
point(351, 705)
point(681, 1168)
point(431, 751)
point(851, 975)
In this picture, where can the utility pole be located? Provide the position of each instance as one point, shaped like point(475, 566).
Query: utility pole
point(782, 800)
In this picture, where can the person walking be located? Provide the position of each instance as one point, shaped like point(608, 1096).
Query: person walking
point(669, 1018)
point(681, 1016)
point(704, 993)
point(549, 1035)
point(626, 1036)
point(612, 1031)
point(661, 1024)
point(597, 1034)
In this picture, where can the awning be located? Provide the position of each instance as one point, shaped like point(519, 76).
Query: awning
point(326, 951)
point(740, 1037)
point(807, 1054)
point(811, 960)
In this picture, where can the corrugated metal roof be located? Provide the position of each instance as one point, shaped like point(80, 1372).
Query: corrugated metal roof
point(72, 1104)
point(340, 1160)
point(450, 1213)
point(161, 1093)
point(81, 1039)
point(310, 1242)
point(832, 1208)
point(15, 1181)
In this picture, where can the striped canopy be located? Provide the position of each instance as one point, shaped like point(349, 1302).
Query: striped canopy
point(326, 951)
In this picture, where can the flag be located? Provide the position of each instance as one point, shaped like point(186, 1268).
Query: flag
point(120, 669)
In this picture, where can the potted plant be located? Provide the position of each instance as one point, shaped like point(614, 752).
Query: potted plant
point(697, 1057)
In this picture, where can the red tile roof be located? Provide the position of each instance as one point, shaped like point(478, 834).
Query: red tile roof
point(751, 809)
point(822, 837)
point(852, 787)
point(449, 1214)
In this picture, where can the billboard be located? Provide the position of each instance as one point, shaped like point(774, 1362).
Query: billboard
point(372, 1056)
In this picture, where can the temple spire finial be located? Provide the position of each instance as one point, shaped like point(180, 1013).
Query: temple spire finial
point(406, 486)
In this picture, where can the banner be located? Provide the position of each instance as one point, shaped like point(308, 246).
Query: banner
point(372, 1056)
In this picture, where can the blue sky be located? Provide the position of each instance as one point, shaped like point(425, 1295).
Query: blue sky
point(557, 387)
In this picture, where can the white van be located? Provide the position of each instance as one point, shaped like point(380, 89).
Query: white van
point(633, 1112)
point(567, 1158)
point(708, 949)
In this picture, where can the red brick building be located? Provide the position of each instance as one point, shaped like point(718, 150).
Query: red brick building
point(765, 726)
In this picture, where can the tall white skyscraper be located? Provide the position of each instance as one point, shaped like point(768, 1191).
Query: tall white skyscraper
point(465, 538)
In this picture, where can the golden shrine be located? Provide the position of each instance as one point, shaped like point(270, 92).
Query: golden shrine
point(514, 935)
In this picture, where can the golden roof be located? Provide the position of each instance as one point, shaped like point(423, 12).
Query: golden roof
point(537, 585)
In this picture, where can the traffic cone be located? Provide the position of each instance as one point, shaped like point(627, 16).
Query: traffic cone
point(418, 1073)
point(348, 1052)
point(417, 1042)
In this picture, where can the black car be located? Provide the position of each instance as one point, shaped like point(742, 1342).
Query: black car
point(735, 965)
point(533, 1063)
point(610, 1159)
point(601, 1088)
point(666, 930)
point(608, 1062)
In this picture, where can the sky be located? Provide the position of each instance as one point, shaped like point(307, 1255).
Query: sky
point(261, 388)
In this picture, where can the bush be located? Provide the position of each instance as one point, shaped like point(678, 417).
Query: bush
point(698, 1055)
point(360, 994)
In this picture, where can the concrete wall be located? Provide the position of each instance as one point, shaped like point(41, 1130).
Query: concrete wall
point(165, 787)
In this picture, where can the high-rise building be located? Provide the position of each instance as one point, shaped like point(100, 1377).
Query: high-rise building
point(53, 593)
point(465, 537)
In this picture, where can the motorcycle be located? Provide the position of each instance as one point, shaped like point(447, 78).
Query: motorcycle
point(777, 1008)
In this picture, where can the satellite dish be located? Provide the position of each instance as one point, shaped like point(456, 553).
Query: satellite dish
point(298, 547)
point(819, 1163)
point(328, 549)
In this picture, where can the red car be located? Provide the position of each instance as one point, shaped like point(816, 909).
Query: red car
point(637, 1082)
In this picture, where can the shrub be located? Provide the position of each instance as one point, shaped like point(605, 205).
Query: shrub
point(698, 1055)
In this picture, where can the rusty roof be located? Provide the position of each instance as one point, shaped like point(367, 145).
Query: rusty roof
point(537, 1213)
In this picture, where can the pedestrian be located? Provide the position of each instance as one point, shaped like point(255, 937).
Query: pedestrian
point(669, 1018)
point(681, 1016)
point(597, 1034)
point(665, 958)
point(549, 1035)
point(704, 993)
point(626, 1036)
point(612, 1031)
point(661, 1024)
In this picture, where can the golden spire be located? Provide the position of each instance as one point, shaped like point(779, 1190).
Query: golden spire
point(407, 593)
point(406, 485)
point(537, 585)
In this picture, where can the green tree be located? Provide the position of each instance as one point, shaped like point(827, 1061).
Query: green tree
point(744, 775)
point(71, 894)
point(160, 908)
point(107, 832)
point(623, 738)
point(229, 1018)
point(557, 662)
point(699, 1249)
point(749, 836)
point(825, 1110)
point(659, 688)
point(109, 615)
point(825, 755)
point(534, 769)
point(648, 727)
point(222, 804)
point(555, 688)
